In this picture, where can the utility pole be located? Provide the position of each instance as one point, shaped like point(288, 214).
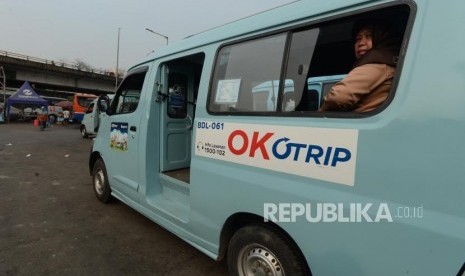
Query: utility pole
point(152, 31)
point(117, 61)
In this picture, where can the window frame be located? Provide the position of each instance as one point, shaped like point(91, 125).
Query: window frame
point(383, 8)
point(242, 41)
point(119, 92)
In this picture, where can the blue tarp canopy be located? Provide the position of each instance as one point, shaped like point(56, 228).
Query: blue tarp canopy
point(25, 96)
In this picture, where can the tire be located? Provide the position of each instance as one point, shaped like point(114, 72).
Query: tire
point(100, 183)
point(258, 249)
point(84, 133)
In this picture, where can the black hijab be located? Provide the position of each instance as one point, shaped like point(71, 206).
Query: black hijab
point(386, 43)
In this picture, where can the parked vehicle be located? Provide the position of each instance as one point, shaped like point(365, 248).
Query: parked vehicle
point(53, 100)
point(53, 113)
point(91, 120)
point(80, 103)
point(317, 88)
point(192, 142)
point(16, 114)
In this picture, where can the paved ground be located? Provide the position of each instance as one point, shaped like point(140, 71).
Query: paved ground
point(51, 224)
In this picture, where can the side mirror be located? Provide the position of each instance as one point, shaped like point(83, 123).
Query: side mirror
point(103, 104)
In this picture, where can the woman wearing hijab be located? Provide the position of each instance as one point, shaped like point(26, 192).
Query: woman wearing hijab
point(368, 84)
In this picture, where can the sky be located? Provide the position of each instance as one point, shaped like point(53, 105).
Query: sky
point(87, 30)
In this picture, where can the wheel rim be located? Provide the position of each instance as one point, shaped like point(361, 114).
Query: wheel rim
point(99, 182)
point(83, 131)
point(258, 260)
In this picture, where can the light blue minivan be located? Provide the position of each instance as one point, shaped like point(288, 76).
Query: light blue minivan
point(219, 139)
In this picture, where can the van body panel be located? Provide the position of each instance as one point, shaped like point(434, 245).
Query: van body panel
point(406, 158)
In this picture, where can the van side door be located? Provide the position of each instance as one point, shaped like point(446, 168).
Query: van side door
point(177, 117)
point(125, 116)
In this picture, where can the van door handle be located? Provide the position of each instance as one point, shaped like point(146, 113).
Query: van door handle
point(133, 128)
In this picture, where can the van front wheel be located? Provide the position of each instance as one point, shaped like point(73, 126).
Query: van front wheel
point(100, 184)
point(261, 250)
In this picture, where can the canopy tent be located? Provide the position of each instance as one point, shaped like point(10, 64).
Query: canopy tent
point(25, 96)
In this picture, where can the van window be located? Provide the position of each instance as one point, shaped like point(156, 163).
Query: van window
point(127, 97)
point(290, 73)
point(181, 80)
point(241, 69)
point(177, 95)
point(300, 54)
point(84, 101)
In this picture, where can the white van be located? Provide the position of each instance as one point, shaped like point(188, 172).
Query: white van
point(199, 138)
point(91, 119)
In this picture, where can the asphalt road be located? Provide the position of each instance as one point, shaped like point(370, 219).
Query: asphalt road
point(51, 223)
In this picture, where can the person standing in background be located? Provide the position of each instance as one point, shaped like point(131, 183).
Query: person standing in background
point(66, 117)
point(42, 117)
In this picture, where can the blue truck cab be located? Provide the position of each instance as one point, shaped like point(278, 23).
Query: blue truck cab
point(219, 138)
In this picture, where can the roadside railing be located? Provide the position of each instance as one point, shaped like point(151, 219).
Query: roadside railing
point(55, 63)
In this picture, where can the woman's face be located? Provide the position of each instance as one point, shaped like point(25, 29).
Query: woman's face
point(363, 42)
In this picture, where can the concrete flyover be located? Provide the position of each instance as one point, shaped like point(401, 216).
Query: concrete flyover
point(54, 79)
